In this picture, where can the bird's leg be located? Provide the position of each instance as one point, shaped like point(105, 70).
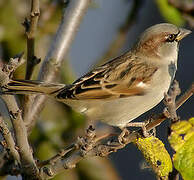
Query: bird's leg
point(139, 124)
point(143, 126)
point(125, 132)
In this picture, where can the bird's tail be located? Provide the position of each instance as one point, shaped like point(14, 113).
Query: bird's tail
point(30, 87)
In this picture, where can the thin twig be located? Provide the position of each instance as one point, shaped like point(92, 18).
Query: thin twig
point(59, 155)
point(169, 101)
point(161, 117)
point(30, 27)
point(13, 64)
point(10, 144)
point(70, 22)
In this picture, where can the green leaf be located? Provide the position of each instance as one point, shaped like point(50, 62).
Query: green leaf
point(156, 155)
point(170, 13)
point(182, 141)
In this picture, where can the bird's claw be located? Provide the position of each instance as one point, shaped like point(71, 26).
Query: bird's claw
point(122, 137)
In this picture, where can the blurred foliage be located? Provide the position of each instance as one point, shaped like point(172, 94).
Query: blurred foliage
point(121, 36)
point(3, 177)
point(96, 169)
point(58, 125)
point(11, 31)
point(182, 141)
point(156, 155)
point(170, 14)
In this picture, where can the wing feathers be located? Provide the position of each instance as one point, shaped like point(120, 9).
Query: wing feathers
point(119, 78)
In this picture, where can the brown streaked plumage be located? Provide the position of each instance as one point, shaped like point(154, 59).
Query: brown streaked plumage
point(118, 78)
point(123, 88)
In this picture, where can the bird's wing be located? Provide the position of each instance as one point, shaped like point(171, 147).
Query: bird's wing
point(122, 77)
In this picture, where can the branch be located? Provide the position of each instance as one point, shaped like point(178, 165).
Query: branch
point(161, 117)
point(169, 101)
point(8, 165)
point(90, 145)
point(58, 50)
point(30, 27)
point(24, 150)
point(86, 146)
point(9, 141)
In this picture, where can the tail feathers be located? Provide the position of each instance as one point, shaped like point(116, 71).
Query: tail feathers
point(30, 87)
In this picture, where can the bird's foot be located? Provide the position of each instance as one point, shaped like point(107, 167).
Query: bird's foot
point(143, 126)
point(166, 113)
point(122, 137)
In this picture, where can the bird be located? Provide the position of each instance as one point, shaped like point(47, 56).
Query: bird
point(123, 88)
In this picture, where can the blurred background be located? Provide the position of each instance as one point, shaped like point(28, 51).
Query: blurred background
point(109, 28)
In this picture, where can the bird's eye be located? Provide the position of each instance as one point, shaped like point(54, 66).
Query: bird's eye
point(171, 37)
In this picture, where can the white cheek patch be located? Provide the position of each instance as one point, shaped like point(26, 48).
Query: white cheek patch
point(141, 84)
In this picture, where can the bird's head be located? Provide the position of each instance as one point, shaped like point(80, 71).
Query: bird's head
point(161, 40)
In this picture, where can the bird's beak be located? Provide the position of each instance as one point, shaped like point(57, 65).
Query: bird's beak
point(183, 33)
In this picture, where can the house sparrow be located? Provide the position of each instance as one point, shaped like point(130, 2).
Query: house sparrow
point(122, 89)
